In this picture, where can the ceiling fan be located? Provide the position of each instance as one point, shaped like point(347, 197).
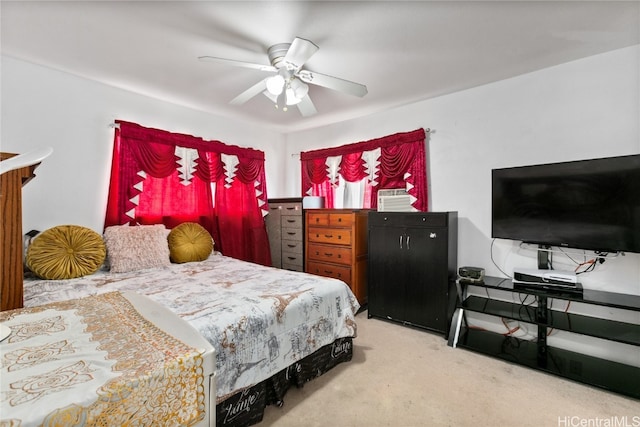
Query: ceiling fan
point(289, 84)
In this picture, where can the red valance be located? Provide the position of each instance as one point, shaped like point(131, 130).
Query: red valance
point(394, 161)
point(144, 134)
point(417, 135)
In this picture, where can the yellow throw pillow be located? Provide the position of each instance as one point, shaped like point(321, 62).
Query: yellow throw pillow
point(189, 242)
point(66, 252)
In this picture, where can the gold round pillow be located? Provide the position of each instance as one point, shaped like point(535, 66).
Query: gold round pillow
point(66, 252)
point(189, 242)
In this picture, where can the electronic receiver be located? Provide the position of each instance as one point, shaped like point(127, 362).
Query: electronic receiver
point(474, 274)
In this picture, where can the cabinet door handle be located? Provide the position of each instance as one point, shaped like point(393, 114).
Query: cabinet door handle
point(408, 240)
point(401, 241)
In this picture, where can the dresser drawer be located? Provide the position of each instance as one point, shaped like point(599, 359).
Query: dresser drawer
point(330, 270)
point(317, 218)
point(291, 234)
point(330, 219)
point(328, 253)
point(292, 258)
point(334, 236)
point(340, 220)
point(292, 246)
point(291, 221)
point(291, 209)
point(292, 267)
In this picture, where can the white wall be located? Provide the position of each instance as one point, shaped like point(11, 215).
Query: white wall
point(583, 109)
point(42, 107)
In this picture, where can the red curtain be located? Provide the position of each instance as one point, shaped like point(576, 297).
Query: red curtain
point(159, 177)
point(402, 164)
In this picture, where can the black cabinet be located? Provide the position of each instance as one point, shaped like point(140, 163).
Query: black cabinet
point(412, 267)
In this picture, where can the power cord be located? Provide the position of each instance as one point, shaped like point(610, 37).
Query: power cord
point(494, 262)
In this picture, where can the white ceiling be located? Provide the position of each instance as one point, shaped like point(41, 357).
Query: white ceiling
point(402, 51)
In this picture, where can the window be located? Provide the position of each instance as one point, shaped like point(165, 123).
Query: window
point(159, 177)
point(350, 176)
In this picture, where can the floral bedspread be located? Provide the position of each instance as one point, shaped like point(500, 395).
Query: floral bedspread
point(259, 319)
point(96, 361)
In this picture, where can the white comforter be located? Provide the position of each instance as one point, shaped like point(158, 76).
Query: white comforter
point(259, 319)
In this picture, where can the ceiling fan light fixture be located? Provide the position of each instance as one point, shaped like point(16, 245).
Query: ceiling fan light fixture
point(275, 84)
point(278, 100)
point(291, 97)
point(299, 88)
point(289, 85)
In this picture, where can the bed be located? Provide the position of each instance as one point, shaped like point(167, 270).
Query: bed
point(271, 329)
point(108, 359)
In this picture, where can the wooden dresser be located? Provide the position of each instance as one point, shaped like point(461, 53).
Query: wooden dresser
point(285, 231)
point(336, 246)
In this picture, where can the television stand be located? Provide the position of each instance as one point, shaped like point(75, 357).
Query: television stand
point(537, 354)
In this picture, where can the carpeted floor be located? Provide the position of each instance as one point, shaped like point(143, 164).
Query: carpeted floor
point(400, 376)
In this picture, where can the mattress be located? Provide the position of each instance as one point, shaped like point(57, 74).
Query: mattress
point(259, 319)
point(110, 359)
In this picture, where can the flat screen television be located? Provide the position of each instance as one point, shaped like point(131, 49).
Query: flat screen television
point(587, 204)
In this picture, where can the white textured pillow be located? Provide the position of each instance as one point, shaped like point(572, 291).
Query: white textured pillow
point(137, 247)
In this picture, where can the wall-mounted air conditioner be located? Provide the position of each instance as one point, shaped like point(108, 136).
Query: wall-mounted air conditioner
point(394, 200)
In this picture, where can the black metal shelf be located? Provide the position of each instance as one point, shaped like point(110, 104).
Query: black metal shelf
point(612, 330)
point(536, 354)
point(612, 376)
point(586, 296)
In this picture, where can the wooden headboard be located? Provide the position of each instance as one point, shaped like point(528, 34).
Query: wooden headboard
point(11, 263)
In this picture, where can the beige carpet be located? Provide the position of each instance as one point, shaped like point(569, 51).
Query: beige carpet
point(401, 376)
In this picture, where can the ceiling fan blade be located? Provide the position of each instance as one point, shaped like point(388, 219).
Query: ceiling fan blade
point(238, 63)
point(250, 93)
point(299, 52)
point(334, 83)
point(306, 107)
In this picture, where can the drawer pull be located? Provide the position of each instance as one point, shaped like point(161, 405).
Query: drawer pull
point(328, 272)
point(291, 220)
point(328, 254)
point(328, 236)
point(290, 233)
point(292, 258)
point(291, 246)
